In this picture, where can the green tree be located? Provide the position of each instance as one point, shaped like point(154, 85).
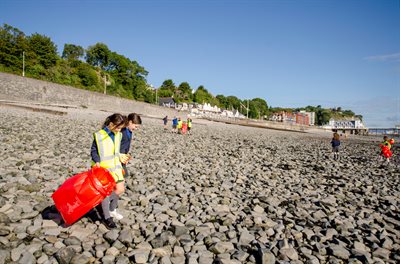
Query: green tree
point(322, 116)
point(12, 45)
point(167, 89)
point(325, 116)
point(72, 52)
point(202, 96)
point(258, 108)
point(140, 89)
point(88, 76)
point(42, 50)
point(222, 102)
point(124, 70)
point(233, 102)
point(184, 92)
point(348, 113)
point(98, 55)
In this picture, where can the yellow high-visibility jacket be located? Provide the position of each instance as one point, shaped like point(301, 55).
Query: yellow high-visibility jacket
point(109, 153)
point(189, 123)
point(180, 124)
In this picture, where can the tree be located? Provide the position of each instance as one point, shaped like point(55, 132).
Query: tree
point(348, 113)
point(98, 55)
point(202, 96)
point(233, 102)
point(88, 75)
point(325, 116)
point(222, 102)
point(140, 89)
point(258, 108)
point(72, 52)
point(167, 89)
point(12, 45)
point(184, 92)
point(42, 50)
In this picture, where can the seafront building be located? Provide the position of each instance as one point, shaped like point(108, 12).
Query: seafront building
point(347, 126)
point(299, 118)
point(302, 118)
point(203, 110)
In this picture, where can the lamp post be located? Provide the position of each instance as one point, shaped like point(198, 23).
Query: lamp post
point(23, 63)
point(105, 84)
point(247, 108)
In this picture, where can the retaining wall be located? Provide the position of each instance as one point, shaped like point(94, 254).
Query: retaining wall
point(23, 89)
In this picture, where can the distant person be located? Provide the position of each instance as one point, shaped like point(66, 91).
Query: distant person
point(189, 125)
point(105, 152)
point(174, 124)
point(335, 142)
point(184, 127)
point(179, 126)
point(386, 146)
point(165, 121)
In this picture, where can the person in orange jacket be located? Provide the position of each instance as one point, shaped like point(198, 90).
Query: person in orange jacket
point(386, 146)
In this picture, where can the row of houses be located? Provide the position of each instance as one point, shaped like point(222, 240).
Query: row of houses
point(300, 118)
point(346, 125)
point(196, 109)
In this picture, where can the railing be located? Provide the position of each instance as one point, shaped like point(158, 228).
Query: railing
point(384, 131)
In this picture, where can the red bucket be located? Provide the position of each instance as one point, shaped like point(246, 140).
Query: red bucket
point(184, 128)
point(386, 151)
point(82, 192)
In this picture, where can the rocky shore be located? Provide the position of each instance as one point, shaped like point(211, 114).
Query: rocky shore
point(225, 194)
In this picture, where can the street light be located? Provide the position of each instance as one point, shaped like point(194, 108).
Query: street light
point(105, 84)
point(23, 63)
point(247, 108)
point(153, 88)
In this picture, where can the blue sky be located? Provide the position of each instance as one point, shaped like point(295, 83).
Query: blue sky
point(290, 53)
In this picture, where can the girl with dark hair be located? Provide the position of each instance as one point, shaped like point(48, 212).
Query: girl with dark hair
point(335, 142)
point(105, 152)
point(133, 121)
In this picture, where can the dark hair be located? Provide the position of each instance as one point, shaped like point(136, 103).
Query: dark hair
point(116, 119)
point(135, 118)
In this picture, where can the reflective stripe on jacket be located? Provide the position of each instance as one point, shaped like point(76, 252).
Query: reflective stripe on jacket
point(387, 143)
point(109, 153)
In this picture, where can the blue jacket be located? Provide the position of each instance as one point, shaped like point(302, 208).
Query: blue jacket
point(335, 143)
point(126, 140)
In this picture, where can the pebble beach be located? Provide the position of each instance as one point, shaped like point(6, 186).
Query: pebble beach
point(224, 194)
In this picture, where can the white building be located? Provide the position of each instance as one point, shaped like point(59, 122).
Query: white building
point(232, 114)
point(311, 117)
point(345, 124)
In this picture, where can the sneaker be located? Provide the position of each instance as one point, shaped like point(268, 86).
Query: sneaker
point(116, 215)
point(109, 223)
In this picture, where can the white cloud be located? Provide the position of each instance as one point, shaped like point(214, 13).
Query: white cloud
point(387, 57)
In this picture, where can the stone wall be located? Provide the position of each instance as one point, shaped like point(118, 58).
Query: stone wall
point(18, 88)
